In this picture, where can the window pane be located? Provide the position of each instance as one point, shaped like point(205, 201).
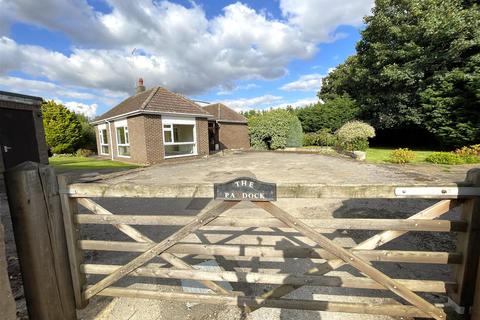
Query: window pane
point(126, 136)
point(123, 150)
point(105, 149)
point(104, 136)
point(183, 133)
point(178, 150)
point(168, 136)
point(121, 135)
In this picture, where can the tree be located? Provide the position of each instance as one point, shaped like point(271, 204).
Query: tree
point(330, 115)
point(275, 129)
point(417, 66)
point(63, 130)
point(88, 140)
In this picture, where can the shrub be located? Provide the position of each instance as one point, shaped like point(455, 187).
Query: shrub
point(470, 159)
point(84, 153)
point(63, 131)
point(473, 150)
point(402, 155)
point(330, 115)
point(354, 135)
point(275, 129)
point(320, 138)
point(444, 158)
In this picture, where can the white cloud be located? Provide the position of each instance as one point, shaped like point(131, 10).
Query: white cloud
point(180, 47)
point(318, 19)
point(89, 110)
point(48, 90)
point(226, 90)
point(308, 82)
point(296, 103)
point(251, 103)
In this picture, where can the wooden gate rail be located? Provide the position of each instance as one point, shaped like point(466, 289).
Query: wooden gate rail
point(324, 224)
point(232, 250)
point(175, 247)
point(284, 190)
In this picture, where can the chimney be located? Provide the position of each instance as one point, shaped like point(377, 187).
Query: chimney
point(140, 87)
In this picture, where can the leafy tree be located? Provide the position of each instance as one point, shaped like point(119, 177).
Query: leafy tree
point(275, 129)
point(330, 115)
point(89, 140)
point(417, 66)
point(63, 130)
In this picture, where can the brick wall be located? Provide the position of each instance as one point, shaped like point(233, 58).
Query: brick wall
point(136, 135)
point(154, 138)
point(202, 136)
point(146, 140)
point(233, 136)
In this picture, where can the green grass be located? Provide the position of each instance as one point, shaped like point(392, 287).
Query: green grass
point(382, 155)
point(83, 163)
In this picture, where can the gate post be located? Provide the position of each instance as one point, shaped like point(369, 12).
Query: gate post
point(467, 244)
point(36, 213)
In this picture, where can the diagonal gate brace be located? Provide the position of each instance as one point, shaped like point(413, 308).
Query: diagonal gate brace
point(158, 248)
point(353, 260)
point(140, 237)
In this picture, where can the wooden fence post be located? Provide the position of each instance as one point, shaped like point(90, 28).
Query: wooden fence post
point(36, 213)
point(70, 208)
point(467, 245)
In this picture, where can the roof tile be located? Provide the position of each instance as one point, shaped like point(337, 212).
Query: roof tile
point(223, 113)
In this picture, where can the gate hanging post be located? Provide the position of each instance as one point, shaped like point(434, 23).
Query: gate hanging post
point(36, 213)
point(467, 245)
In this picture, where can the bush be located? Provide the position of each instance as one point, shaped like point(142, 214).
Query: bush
point(402, 156)
point(473, 150)
point(63, 130)
point(275, 129)
point(353, 136)
point(84, 153)
point(444, 158)
point(471, 159)
point(330, 115)
point(320, 138)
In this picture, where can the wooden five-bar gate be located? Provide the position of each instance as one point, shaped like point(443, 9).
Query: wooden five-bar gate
point(411, 304)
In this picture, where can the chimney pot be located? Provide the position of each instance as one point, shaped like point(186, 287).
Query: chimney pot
point(140, 87)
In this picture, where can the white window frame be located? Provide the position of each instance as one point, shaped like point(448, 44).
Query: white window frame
point(122, 124)
point(170, 121)
point(101, 128)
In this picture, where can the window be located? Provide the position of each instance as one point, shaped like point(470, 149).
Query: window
point(179, 137)
point(104, 147)
point(123, 143)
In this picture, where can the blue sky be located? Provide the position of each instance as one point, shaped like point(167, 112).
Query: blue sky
point(249, 55)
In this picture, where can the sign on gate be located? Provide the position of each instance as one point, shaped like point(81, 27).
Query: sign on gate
point(247, 189)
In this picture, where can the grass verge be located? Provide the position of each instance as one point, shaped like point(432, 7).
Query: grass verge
point(382, 155)
point(83, 163)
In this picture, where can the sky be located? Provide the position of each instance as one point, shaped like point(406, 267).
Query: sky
point(89, 54)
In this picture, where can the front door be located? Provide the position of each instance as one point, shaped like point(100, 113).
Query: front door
point(18, 141)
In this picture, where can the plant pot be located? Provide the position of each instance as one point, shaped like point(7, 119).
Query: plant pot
point(359, 155)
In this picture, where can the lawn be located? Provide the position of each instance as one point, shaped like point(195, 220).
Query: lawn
point(83, 163)
point(382, 155)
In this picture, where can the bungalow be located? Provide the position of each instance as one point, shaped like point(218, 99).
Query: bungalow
point(228, 129)
point(156, 125)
